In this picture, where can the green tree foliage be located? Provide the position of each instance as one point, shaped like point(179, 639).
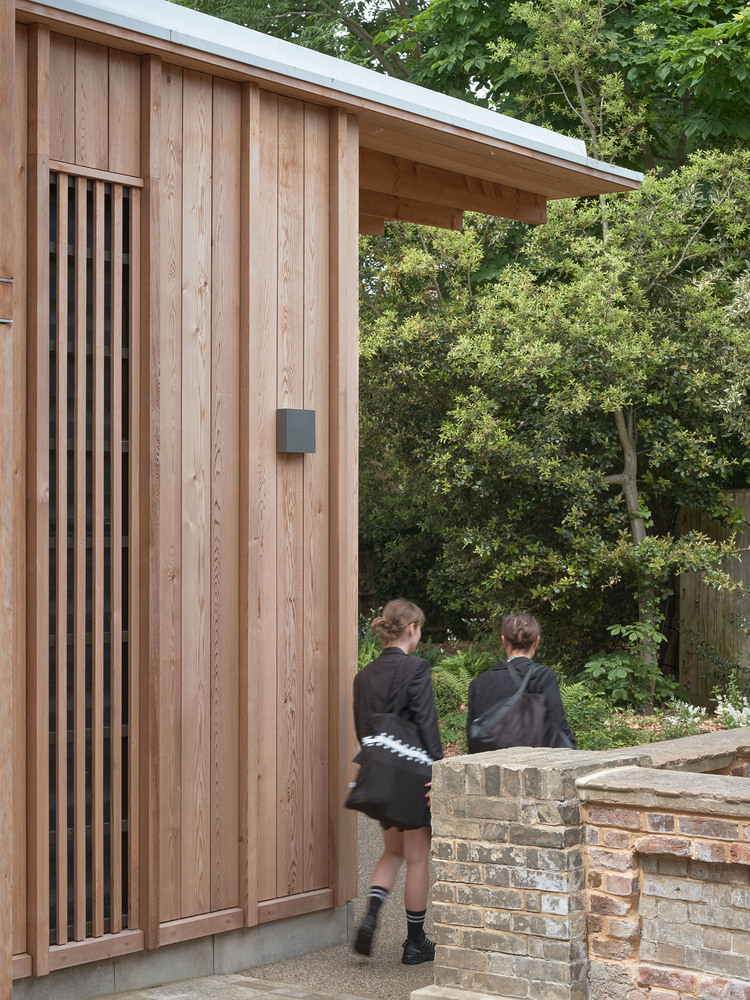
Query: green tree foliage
point(546, 428)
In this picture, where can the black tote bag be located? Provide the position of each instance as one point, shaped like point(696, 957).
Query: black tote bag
point(393, 768)
point(523, 720)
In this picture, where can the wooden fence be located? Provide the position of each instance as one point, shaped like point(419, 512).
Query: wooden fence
point(714, 623)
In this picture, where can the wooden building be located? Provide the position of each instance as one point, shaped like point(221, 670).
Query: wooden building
point(180, 201)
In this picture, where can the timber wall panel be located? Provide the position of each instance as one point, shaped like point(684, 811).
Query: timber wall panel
point(263, 500)
point(222, 600)
point(19, 497)
point(170, 495)
point(315, 691)
point(195, 680)
point(225, 507)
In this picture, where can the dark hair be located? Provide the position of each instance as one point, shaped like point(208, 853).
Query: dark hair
point(521, 631)
point(397, 616)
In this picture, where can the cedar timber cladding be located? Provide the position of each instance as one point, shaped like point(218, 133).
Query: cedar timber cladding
point(178, 600)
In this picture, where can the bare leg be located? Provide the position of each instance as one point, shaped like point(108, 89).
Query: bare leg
point(416, 850)
point(387, 868)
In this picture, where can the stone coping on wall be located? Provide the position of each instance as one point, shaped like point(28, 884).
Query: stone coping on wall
point(652, 788)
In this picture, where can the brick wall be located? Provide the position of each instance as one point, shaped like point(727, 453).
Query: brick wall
point(567, 875)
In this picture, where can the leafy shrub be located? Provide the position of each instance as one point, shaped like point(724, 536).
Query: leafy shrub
point(429, 651)
point(453, 729)
point(593, 720)
point(450, 692)
point(369, 648)
point(623, 677)
point(677, 719)
point(469, 662)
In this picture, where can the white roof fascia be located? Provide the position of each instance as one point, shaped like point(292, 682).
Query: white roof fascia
point(201, 32)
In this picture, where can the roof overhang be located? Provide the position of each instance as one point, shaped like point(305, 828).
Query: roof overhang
point(424, 157)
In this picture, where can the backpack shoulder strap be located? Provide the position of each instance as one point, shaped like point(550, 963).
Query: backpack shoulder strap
point(491, 720)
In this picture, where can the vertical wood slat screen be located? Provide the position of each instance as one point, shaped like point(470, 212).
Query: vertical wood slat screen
point(92, 676)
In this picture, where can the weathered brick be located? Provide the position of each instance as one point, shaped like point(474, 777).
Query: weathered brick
point(619, 861)
point(660, 823)
point(498, 809)
point(592, 835)
point(718, 895)
point(552, 859)
point(658, 994)
point(671, 979)
point(671, 888)
point(628, 818)
point(448, 871)
point(559, 813)
point(717, 939)
point(716, 829)
point(544, 881)
point(672, 910)
point(462, 851)
point(504, 986)
point(540, 970)
point(709, 850)
point(594, 880)
point(531, 783)
point(561, 903)
point(741, 898)
point(606, 948)
point(497, 875)
point(498, 919)
point(444, 892)
point(532, 902)
point(493, 897)
point(629, 930)
point(678, 846)
point(444, 934)
point(621, 885)
point(607, 905)
point(545, 836)
point(503, 943)
point(713, 987)
point(444, 849)
point(615, 838)
point(489, 896)
point(463, 958)
point(594, 923)
point(498, 854)
point(458, 916)
point(739, 854)
point(492, 782)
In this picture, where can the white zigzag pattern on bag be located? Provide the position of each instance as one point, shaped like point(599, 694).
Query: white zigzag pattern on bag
point(396, 746)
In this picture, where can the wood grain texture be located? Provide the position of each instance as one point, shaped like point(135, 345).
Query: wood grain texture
point(61, 558)
point(116, 553)
point(95, 949)
point(290, 776)
point(225, 512)
point(18, 477)
point(264, 647)
point(250, 325)
point(426, 213)
point(97, 561)
point(62, 140)
point(202, 925)
point(405, 179)
point(344, 209)
point(124, 152)
point(196, 495)
point(169, 251)
point(315, 503)
point(79, 567)
point(37, 509)
point(135, 547)
point(92, 105)
point(150, 569)
point(9, 527)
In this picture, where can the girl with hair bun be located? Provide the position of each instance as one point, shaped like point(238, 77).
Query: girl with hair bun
point(521, 634)
point(399, 628)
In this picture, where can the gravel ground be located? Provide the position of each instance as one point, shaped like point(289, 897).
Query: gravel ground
point(340, 969)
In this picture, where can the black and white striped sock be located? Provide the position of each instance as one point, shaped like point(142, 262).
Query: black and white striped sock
point(415, 925)
point(375, 899)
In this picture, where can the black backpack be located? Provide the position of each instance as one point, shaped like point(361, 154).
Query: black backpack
point(523, 720)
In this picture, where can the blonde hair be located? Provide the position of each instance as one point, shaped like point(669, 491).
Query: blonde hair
point(397, 616)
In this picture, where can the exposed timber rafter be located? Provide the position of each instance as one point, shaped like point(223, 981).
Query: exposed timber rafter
point(407, 180)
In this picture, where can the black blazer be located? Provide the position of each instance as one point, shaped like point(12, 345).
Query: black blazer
point(496, 685)
point(372, 687)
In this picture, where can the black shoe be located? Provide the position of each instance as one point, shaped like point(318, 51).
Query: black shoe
point(415, 954)
point(363, 940)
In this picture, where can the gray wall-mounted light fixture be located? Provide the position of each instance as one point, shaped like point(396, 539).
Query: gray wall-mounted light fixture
point(295, 432)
